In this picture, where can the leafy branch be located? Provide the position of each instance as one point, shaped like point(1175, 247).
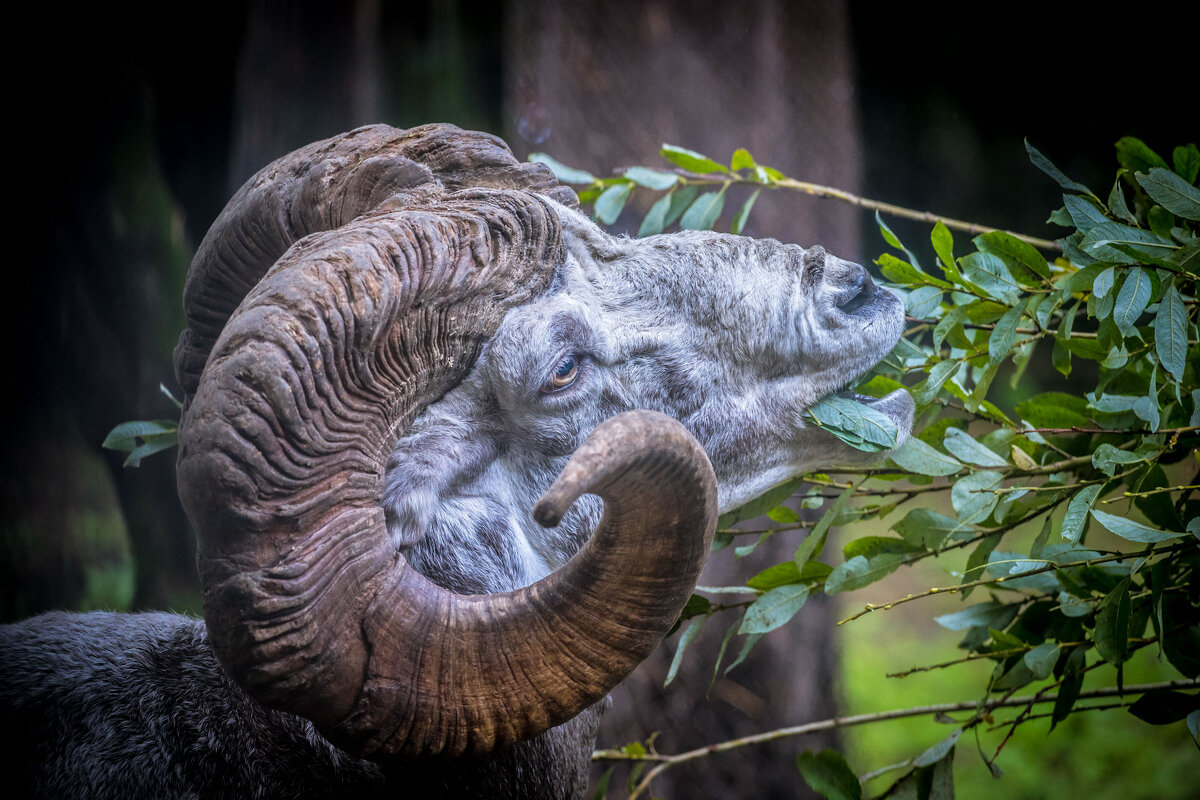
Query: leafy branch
point(665, 761)
point(1077, 506)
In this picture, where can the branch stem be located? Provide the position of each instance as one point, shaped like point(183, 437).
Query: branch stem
point(1149, 551)
point(665, 761)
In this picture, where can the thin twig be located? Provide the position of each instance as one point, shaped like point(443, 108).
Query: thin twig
point(1020, 720)
point(1150, 551)
point(665, 761)
point(818, 190)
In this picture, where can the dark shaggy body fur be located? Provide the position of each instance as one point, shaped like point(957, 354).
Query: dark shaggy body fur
point(136, 706)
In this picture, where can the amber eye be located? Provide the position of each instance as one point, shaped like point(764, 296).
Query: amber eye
point(564, 375)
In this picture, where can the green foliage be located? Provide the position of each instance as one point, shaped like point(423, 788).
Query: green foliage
point(141, 438)
point(1076, 511)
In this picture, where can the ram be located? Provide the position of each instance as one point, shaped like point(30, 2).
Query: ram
point(454, 457)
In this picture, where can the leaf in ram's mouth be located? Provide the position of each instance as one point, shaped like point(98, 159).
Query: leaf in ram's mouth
point(856, 424)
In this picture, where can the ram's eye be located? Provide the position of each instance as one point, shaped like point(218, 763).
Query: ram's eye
point(564, 375)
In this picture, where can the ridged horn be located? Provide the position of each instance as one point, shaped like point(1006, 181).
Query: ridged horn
point(321, 187)
point(320, 369)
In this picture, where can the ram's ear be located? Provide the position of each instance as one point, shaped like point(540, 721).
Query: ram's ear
point(586, 240)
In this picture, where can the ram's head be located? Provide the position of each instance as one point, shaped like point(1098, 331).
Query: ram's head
point(397, 341)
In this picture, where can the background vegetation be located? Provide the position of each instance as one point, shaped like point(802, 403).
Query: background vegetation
point(1077, 508)
point(130, 145)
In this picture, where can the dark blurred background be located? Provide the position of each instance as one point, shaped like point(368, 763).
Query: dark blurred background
point(141, 122)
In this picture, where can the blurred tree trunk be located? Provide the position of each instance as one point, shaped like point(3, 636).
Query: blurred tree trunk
point(308, 70)
point(603, 84)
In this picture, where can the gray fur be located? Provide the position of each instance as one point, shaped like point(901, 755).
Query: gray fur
point(734, 337)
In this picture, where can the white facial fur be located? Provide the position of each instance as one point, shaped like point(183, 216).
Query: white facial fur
point(734, 337)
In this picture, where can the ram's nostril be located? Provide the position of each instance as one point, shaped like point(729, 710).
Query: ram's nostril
point(860, 291)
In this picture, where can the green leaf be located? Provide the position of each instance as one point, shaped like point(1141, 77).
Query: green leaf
point(702, 214)
point(987, 615)
point(828, 774)
point(870, 547)
point(860, 426)
point(124, 436)
point(1132, 300)
point(690, 159)
point(1072, 606)
point(928, 529)
point(1117, 204)
point(1013, 566)
point(938, 751)
point(1187, 162)
point(1004, 334)
point(1135, 156)
point(943, 243)
point(1133, 531)
point(1157, 508)
point(1182, 628)
point(916, 456)
point(685, 638)
point(695, 606)
point(1112, 624)
point(1188, 257)
point(1146, 409)
point(1104, 282)
point(741, 159)
point(889, 237)
point(922, 302)
point(761, 504)
point(681, 200)
point(949, 324)
point(1084, 211)
point(1081, 279)
point(788, 572)
point(739, 219)
point(1043, 163)
point(1021, 257)
point(148, 448)
point(989, 273)
point(1060, 217)
point(1164, 707)
point(1056, 409)
point(1170, 333)
point(747, 645)
point(745, 550)
point(1041, 659)
point(774, 608)
point(652, 178)
point(1107, 458)
point(973, 497)
point(1068, 690)
point(815, 541)
point(1172, 192)
point(852, 574)
point(783, 515)
point(561, 171)
point(611, 201)
point(928, 389)
point(1099, 243)
point(655, 219)
point(900, 271)
point(962, 445)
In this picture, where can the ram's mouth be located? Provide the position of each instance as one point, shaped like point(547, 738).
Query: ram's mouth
point(878, 424)
point(897, 405)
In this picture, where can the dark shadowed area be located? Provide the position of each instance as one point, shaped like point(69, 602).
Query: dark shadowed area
point(133, 142)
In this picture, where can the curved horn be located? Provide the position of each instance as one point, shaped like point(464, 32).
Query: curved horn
point(322, 187)
point(282, 452)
